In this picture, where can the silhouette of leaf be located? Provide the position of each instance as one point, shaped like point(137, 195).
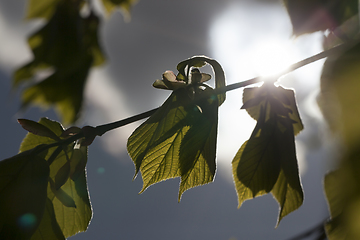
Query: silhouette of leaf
point(64, 50)
point(23, 186)
point(49, 228)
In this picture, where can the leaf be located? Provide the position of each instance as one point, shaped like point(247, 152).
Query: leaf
point(41, 8)
point(177, 140)
point(62, 196)
point(124, 5)
point(318, 15)
point(49, 228)
point(267, 161)
point(339, 95)
point(255, 98)
point(77, 219)
point(64, 50)
point(334, 185)
point(200, 61)
point(257, 165)
point(62, 175)
point(37, 129)
point(23, 186)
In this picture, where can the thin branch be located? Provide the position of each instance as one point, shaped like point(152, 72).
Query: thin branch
point(327, 53)
point(102, 129)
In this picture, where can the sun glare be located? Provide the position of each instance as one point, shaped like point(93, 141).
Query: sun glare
point(249, 40)
point(270, 57)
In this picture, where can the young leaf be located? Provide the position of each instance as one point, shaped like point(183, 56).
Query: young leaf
point(23, 187)
point(37, 129)
point(267, 161)
point(164, 146)
point(77, 219)
point(200, 61)
point(66, 47)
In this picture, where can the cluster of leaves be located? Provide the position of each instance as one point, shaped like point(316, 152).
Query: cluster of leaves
point(43, 189)
point(179, 140)
point(64, 50)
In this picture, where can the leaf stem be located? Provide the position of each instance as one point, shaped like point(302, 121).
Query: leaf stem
point(102, 129)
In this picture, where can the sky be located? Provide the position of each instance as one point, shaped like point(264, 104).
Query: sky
point(249, 38)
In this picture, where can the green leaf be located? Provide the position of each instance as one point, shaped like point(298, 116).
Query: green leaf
point(256, 166)
point(41, 8)
point(37, 129)
point(23, 186)
point(319, 15)
point(49, 228)
point(73, 215)
point(267, 161)
point(64, 50)
point(124, 5)
point(177, 140)
point(334, 186)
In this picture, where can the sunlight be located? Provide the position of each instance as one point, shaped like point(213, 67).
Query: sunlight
point(271, 57)
point(250, 45)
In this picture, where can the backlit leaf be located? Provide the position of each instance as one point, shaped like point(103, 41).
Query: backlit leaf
point(177, 140)
point(267, 161)
point(23, 186)
point(254, 99)
point(71, 219)
point(334, 186)
point(37, 129)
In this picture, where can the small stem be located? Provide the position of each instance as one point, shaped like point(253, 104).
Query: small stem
point(102, 129)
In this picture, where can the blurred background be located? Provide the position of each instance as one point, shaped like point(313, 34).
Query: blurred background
point(248, 38)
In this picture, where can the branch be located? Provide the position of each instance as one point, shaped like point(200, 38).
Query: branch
point(102, 129)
